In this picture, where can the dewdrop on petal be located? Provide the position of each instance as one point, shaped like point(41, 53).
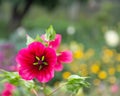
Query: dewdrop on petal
point(112, 38)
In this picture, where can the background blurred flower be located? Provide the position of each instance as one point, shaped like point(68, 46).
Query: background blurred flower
point(118, 67)
point(89, 53)
point(102, 75)
point(95, 68)
point(112, 38)
point(74, 46)
point(111, 71)
point(8, 89)
point(96, 82)
point(112, 79)
point(78, 54)
point(21, 32)
point(66, 74)
point(114, 88)
point(7, 57)
point(70, 30)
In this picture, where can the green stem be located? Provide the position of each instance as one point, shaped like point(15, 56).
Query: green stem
point(34, 91)
point(44, 88)
point(56, 89)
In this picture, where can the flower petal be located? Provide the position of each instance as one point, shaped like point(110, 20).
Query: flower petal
point(27, 73)
point(65, 57)
point(24, 57)
point(45, 75)
point(55, 43)
point(58, 67)
point(36, 48)
point(50, 56)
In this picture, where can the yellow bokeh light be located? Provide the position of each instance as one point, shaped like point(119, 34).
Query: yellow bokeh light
point(118, 57)
point(66, 74)
point(108, 52)
point(83, 69)
point(95, 68)
point(78, 54)
point(118, 68)
point(102, 75)
point(89, 53)
point(111, 71)
point(96, 82)
point(112, 79)
point(84, 72)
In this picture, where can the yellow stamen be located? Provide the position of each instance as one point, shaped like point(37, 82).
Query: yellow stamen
point(40, 67)
point(45, 63)
point(36, 63)
point(43, 57)
point(37, 58)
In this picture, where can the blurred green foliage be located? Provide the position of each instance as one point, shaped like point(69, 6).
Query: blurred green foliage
point(89, 26)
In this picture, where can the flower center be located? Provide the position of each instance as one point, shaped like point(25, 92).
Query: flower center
point(40, 62)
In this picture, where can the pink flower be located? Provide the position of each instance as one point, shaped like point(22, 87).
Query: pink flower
point(62, 57)
point(55, 43)
point(8, 91)
point(114, 88)
point(36, 61)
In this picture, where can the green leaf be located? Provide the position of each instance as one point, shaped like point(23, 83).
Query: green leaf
point(29, 84)
point(50, 34)
point(38, 38)
point(72, 77)
point(14, 78)
point(29, 40)
point(75, 83)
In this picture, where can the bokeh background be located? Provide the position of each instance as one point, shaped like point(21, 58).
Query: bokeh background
point(90, 28)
